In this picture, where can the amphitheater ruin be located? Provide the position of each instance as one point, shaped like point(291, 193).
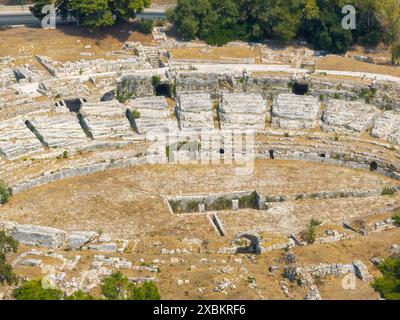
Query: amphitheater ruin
point(103, 158)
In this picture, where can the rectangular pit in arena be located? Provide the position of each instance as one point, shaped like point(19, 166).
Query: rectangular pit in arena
point(213, 202)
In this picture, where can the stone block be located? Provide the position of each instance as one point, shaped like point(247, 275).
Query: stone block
point(39, 236)
point(78, 239)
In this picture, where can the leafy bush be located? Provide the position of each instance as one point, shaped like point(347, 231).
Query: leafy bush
point(79, 295)
point(388, 192)
point(34, 290)
point(155, 80)
point(135, 114)
point(4, 192)
point(192, 206)
point(7, 245)
point(249, 201)
point(389, 284)
point(117, 287)
point(221, 203)
point(145, 26)
point(123, 96)
point(176, 206)
point(148, 291)
point(396, 219)
point(309, 234)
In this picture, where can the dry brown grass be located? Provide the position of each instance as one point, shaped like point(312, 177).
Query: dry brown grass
point(66, 42)
point(216, 53)
point(127, 203)
point(349, 64)
point(155, 3)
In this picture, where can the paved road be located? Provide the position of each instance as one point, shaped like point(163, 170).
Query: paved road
point(26, 18)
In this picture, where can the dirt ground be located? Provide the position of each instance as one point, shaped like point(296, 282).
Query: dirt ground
point(66, 42)
point(127, 203)
point(204, 269)
point(349, 64)
point(216, 54)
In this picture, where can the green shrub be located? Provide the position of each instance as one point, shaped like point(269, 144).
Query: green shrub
point(249, 201)
point(7, 245)
point(117, 287)
point(79, 295)
point(192, 206)
point(221, 203)
point(34, 290)
point(4, 192)
point(145, 26)
point(176, 206)
point(148, 291)
point(309, 235)
point(123, 96)
point(155, 80)
point(315, 222)
point(367, 94)
point(135, 114)
point(388, 285)
point(388, 192)
point(396, 219)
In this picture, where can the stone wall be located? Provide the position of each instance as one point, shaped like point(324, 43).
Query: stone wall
point(84, 170)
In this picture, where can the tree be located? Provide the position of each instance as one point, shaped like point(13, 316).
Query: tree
point(126, 9)
point(37, 7)
point(326, 32)
point(389, 284)
point(192, 18)
point(148, 291)
point(79, 295)
point(117, 287)
point(34, 290)
point(93, 14)
point(145, 26)
point(7, 245)
point(309, 234)
point(368, 29)
point(388, 12)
